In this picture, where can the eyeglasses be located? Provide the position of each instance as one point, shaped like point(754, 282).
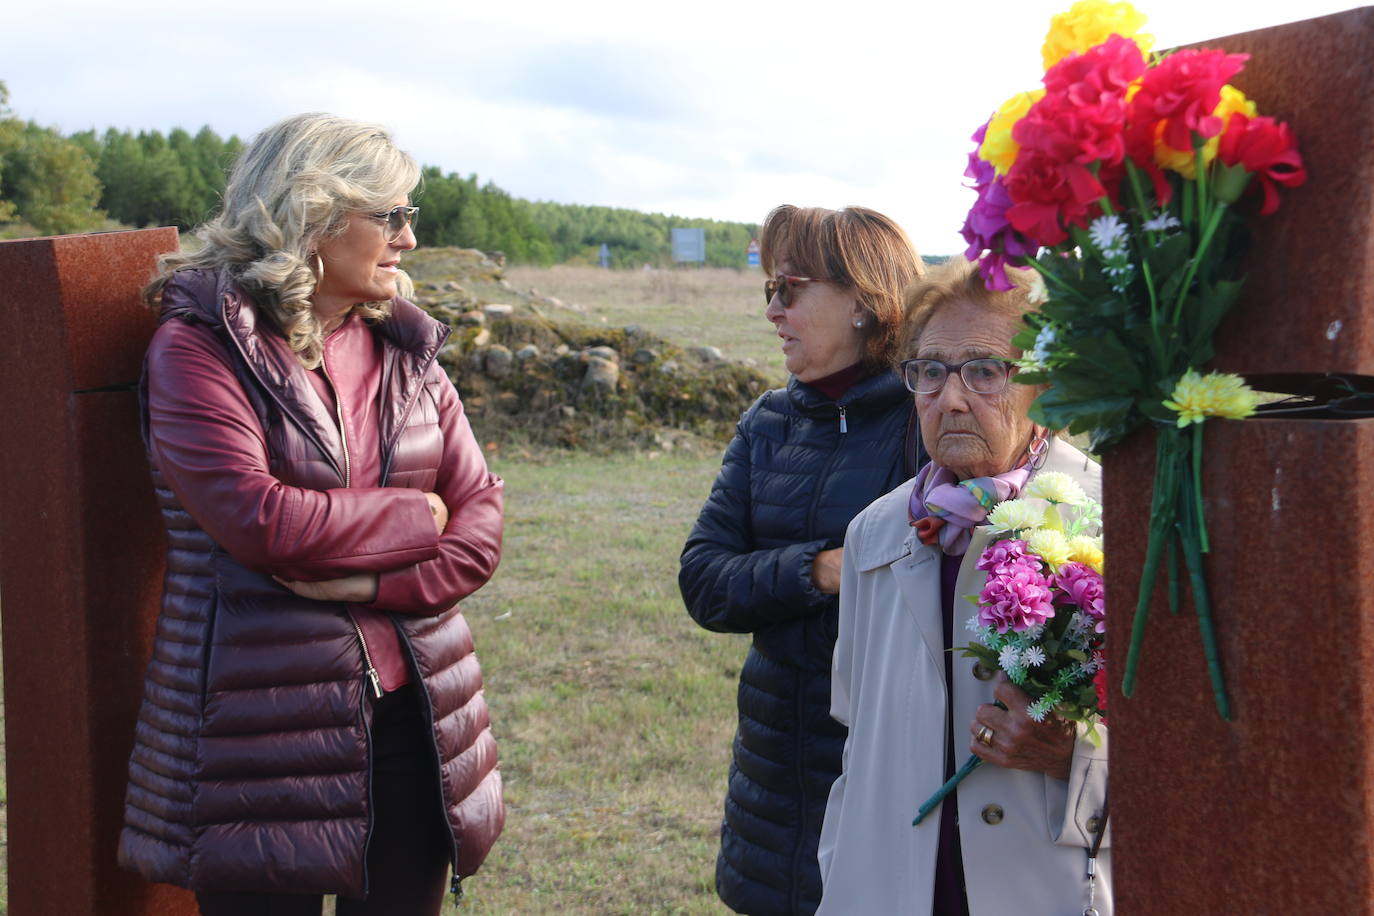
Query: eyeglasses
point(396, 219)
point(782, 286)
point(987, 375)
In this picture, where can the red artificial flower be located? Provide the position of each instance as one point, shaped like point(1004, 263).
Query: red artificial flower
point(1069, 137)
point(1182, 90)
point(1263, 147)
point(1048, 195)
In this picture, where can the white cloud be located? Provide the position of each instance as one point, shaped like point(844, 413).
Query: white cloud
point(710, 108)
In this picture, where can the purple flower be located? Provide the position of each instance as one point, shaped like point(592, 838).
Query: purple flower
point(987, 228)
point(1006, 556)
point(1015, 600)
point(1083, 586)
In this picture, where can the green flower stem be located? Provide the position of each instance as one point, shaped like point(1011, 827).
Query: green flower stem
point(1175, 595)
point(969, 766)
point(1200, 170)
point(1192, 556)
point(933, 802)
point(1198, 512)
point(1198, 257)
point(1161, 522)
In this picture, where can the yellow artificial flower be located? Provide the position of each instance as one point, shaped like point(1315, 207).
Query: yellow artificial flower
point(1050, 545)
point(1233, 101)
point(1056, 487)
point(1087, 551)
point(1089, 23)
point(998, 146)
point(1217, 394)
point(1016, 515)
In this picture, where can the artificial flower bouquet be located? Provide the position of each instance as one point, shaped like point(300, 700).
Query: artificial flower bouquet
point(1041, 615)
point(1121, 180)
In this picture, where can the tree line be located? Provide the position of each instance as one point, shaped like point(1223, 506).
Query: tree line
point(55, 184)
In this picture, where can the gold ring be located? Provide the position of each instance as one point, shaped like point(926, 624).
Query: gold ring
point(984, 736)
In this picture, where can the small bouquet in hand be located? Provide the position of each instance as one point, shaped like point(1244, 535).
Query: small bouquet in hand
point(1041, 614)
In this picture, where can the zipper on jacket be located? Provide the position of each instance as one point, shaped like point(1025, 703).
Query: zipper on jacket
point(371, 672)
point(427, 707)
point(371, 816)
point(844, 427)
point(339, 415)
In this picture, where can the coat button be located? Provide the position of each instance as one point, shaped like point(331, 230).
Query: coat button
point(983, 672)
point(992, 814)
point(1094, 825)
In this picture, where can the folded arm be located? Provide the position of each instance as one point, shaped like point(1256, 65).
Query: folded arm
point(211, 448)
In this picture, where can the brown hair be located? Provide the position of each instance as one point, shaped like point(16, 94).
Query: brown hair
point(858, 248)
point(958, 280)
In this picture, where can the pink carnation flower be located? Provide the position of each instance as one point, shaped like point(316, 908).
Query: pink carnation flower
point(1015, 600)
point(1083, 586)
point(1006, 556)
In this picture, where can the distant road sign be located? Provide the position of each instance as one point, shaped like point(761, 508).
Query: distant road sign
point(689, 245)
point(753, 252)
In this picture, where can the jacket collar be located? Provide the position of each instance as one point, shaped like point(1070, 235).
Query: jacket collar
point(212, 297)
point(873, 393)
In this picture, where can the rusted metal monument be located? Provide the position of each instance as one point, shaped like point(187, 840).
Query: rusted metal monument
point(1273, 812)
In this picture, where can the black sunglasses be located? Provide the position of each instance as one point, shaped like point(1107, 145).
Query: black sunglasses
point(782, 286)
point(396, 219)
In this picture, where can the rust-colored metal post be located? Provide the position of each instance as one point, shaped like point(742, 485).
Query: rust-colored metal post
point(81, 559)
point(1274, 811)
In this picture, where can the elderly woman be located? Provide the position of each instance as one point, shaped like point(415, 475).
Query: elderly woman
point(313, 720)
point(764, 557)
point(1015, 837)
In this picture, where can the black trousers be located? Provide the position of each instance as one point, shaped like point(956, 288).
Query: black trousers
point(408, 856)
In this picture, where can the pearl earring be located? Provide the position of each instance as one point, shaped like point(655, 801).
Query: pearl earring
point(859, 323)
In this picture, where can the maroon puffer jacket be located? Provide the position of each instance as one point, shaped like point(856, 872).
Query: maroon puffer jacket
point(250, 768)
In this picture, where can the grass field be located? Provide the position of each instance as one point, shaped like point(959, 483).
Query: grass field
point(613, 710)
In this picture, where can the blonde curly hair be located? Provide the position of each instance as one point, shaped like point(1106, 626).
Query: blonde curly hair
point(294, 186)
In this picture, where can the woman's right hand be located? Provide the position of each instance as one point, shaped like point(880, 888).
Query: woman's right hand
point(825, 570)
point(439, 510)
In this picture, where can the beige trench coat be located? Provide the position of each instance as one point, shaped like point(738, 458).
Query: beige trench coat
point(1024, 835)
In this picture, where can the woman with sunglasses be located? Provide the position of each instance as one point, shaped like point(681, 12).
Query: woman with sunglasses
point(1015, 835)
point(764, 557)
point(313, 719)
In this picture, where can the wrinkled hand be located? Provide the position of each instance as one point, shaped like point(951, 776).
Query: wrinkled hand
point(825, 570)
point(1018, 741)
point(439, 510)
point(359, 588)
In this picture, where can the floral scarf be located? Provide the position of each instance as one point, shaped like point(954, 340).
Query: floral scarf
point(945, 509)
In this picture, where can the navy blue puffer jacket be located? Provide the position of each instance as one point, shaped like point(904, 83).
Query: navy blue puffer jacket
point(800, 467)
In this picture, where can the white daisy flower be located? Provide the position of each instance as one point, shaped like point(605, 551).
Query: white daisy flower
point(1009, 659)
point(1033, 657)
point(1108, 233)
point(1038, 710)
point(1161, 222)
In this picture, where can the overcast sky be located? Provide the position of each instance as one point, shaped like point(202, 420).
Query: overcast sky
point(710, 109)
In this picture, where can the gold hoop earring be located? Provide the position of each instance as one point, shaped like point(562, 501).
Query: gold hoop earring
point(1038, 448)
point(319, 268)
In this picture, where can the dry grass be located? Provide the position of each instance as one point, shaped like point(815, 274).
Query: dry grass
point(716, 307)
point(613, 710)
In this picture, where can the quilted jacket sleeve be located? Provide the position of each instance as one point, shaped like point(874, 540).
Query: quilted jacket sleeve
point(728, 584)
point(210, 446)
point(470, 547)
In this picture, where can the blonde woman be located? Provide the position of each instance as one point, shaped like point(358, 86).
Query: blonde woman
point(313, 720)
